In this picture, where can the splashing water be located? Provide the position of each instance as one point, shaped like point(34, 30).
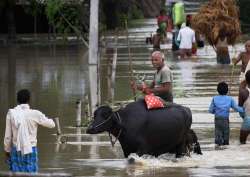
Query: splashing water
point(232, 155)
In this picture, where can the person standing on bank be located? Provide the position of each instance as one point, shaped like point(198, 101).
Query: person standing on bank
point(163, 79)
point(20, 138)
point(244, 100)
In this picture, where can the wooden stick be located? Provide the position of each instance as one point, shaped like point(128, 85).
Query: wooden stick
point(78, 113)
point(231, 79)
point(130, 59)
point(113, 73)
point(59, 132)
point(87, 113)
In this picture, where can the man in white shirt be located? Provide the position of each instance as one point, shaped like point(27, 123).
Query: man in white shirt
point(186, 37)
point(20, 138)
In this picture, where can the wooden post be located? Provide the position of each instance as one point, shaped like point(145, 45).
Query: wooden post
point(113, 73)
point(93, 55)
point(79, 139)
point(78, 113)
point(131, 76)
point(59, 132)
point(109, 52)
point(86, 108)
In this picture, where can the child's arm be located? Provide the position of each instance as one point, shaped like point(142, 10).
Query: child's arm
point(236, 107)
point(211, 107)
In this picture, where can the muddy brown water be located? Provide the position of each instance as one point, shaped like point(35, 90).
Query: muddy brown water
point(57, 77)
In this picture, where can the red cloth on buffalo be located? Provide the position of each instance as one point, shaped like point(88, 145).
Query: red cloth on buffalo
point(153, 101)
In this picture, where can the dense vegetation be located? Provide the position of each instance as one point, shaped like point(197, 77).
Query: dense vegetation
point(115, 12)
point(66, 17)
point(244, 7)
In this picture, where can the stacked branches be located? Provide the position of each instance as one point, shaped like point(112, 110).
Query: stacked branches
point(217, 16)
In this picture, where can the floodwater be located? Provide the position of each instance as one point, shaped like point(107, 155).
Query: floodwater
point(57, 77)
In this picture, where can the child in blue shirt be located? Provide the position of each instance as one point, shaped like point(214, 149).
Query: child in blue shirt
point(220, 107)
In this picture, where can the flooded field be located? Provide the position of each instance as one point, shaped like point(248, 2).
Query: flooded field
point(57, 77)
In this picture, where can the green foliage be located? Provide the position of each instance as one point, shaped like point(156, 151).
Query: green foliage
point(4, 3)
point(116, 11)
point(34, 8)
point(69, 14)
point(244, 6)
point(65, 17)
point(124, 20)
point(52, 9)
point(135, 12)
point(244, 10)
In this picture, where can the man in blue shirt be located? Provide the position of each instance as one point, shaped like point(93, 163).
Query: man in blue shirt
point(220, 107)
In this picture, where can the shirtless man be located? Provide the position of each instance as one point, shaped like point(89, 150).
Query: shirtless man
point(221, 45)
point(244, 101)
point(244, 57)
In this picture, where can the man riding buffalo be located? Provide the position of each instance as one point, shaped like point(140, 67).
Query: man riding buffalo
point(163, 79)
point(143, 131)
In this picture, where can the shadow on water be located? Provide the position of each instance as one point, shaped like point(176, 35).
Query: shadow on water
point(57, 77)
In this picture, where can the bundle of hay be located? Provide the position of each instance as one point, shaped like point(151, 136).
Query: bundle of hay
point(215, 16)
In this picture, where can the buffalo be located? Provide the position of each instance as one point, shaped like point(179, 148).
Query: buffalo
point(143, 131)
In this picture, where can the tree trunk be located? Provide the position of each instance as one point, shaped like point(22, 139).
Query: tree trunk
point(35, 26)
point(151, 8)
point(11, 76)
point(11, 19)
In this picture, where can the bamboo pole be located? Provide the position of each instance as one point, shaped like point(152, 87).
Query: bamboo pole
point(58, 127)
point(75, 29)
point(113, 72)
point(87, 113)
point(79, 139)
point(78, 113)
point(109, 51)
point(131, 76)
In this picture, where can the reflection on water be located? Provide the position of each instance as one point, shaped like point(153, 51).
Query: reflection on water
point(57, 76)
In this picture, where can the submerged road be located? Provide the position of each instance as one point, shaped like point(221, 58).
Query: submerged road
point(57, 77)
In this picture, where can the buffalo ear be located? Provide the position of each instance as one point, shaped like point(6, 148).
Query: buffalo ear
point(106, 111)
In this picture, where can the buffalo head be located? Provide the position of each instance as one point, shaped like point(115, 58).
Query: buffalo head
point(102, 120)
